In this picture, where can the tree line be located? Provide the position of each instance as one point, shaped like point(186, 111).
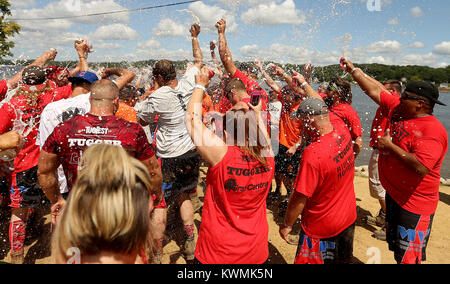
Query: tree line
point(380, 72)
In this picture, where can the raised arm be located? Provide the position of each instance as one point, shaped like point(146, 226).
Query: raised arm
point(212, 46)
point(224, 50)
point(269, 81)
point(290, 81)
point(47, 56)
point(208, 144)
point(369, 85)
point(125, 76)
point(309, 91)
point(198, 56)
point(82, 49)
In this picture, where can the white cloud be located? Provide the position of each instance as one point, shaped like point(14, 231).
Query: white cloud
point(23, 3)
point(114, 32)
point(416, 12)
point(168, 27)
point(389, 46)
point(150, 44)
point(210, 15)
point(107, 46)
point(273, 14)
point(443, 48)
point(417, 44)
point(419, 59)
point(394, 22)
point(65, 8)
point(376, 59)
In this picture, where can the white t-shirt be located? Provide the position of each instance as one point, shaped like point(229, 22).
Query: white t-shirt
point(172, 137)
point(275, 116)
point(54, 114)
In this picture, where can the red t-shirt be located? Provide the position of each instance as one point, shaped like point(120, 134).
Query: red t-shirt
point(234, 227)
point(251, 85)
point(28, 157)
point(71, 138)
point(65, 92)
point(326, 177)
point(3, 89)
point(350, 118)
point(427, 139)
point(380, 122)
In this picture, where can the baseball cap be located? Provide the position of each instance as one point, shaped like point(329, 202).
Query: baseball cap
point(311, 106)
point(84, 76)
point(426, 90)
point(34, 75)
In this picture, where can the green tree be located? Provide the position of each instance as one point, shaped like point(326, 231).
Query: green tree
point(7, 29)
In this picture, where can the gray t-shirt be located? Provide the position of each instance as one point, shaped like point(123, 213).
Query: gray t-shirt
point(172, 137)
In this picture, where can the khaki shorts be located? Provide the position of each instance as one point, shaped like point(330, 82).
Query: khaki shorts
point(377, 191)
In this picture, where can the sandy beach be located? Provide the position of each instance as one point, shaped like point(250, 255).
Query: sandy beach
point(366, 248)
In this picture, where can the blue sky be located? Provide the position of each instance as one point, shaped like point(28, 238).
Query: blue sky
point(401, 32)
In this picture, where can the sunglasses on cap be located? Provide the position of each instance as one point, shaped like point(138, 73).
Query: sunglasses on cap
point(334, 88)
point(405, 97)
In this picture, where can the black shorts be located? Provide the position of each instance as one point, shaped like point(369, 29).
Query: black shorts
point(180, 174)
point(407, 233)
point(335, 250)
point(25, 190)
point(285, 165)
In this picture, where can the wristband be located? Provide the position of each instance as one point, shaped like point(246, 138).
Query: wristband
point(200, 87)
point(285, 75)
point(353, 70)
point(304, 84)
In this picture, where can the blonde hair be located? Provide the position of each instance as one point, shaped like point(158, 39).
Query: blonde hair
point(108, 207)
point(32, 97)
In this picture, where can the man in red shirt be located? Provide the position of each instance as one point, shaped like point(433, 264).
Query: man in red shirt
point(324, 192)
point(379, 126)
point(247, 76)
point(340, 98)
point(412, 151)
point(22, 113)
point(71, 138)
point(13, 82)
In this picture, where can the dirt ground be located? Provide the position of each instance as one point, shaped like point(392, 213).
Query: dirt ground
point(366, 248)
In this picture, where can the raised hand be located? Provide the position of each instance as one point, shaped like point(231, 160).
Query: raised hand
point(347, 65)
point(299, 78)
point(202, 78)
point(195, 30)
point(221, 26)
point(212, 45)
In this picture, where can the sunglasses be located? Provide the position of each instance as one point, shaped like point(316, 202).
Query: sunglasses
point(405, 97)
point(334, 88)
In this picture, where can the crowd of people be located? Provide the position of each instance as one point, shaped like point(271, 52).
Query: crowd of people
point(109, 158)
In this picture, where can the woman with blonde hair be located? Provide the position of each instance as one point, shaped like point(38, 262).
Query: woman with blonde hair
point(107, 216)
point(234, 227)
